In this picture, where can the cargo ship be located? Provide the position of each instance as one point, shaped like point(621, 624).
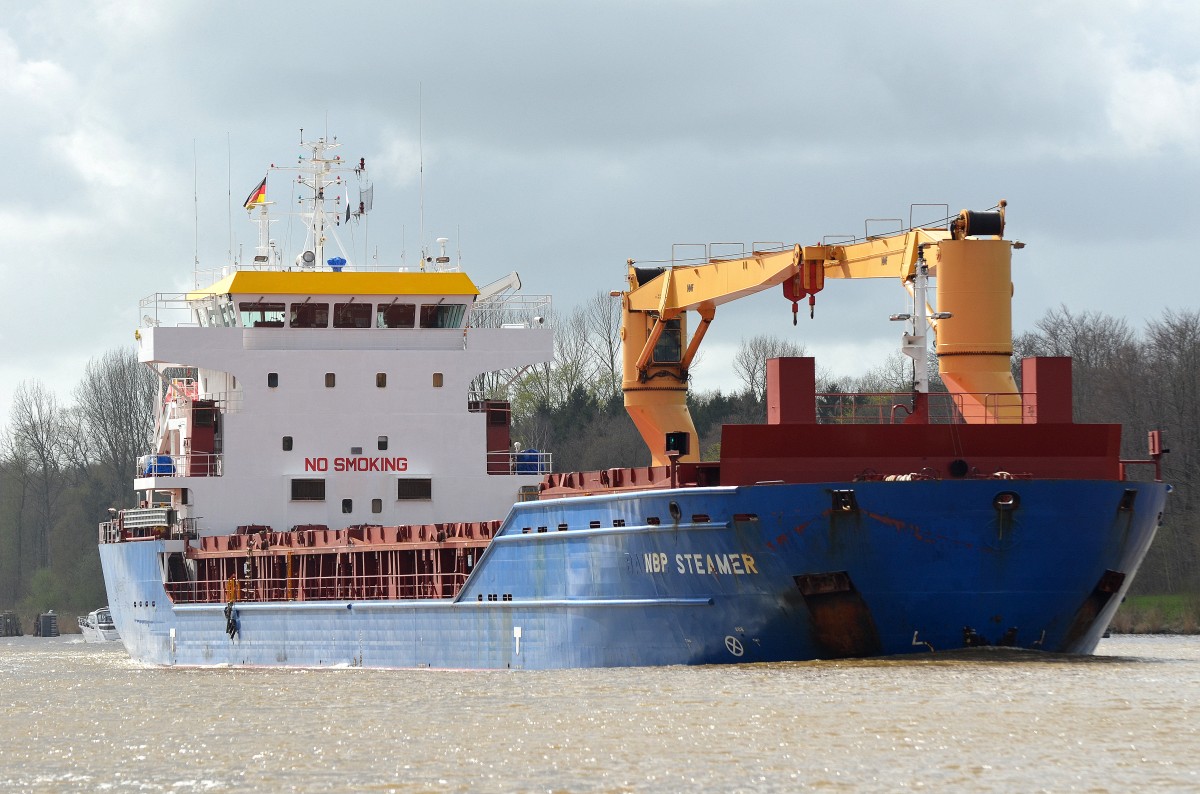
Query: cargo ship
point(330, 484)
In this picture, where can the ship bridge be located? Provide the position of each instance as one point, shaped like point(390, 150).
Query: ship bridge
point(329, 299)
point(325, 397)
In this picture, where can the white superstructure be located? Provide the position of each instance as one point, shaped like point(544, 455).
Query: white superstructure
point(324, 394)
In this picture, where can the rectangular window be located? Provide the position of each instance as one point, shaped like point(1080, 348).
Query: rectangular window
point(376, 505)
point(347, 505)
point(414, 489)
point(309, 315)
point(351, 315)
point(287, 443)
point(437, 380)
point(669, 348)
point(383, 442)
point(272, 380)
point(381, 379)
point(261, 315)
point(330, 380)
point(442, 315)
point(308, 490)
point(395, 315)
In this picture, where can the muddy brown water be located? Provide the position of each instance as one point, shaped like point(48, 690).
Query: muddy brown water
point(78, 717)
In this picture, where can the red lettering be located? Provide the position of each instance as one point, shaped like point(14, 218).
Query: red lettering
point(357, 464)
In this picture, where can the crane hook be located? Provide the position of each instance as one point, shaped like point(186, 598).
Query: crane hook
point(812, 306)
point(795, 310)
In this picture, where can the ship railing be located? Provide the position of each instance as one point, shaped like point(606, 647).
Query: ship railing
point(526, 461)
point(147, 518)
point(146, 523)
point(191, 464)
point(110, 531)
point(333, 587)
point(166, 308)
point(138, 523)
point(229, 402)
point(884, 408)
point(212, 275)
point(511, 311)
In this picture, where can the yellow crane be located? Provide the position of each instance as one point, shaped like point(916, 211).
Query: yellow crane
point(969, 258)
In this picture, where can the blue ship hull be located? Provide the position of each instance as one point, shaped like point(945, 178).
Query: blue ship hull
point(708, 575)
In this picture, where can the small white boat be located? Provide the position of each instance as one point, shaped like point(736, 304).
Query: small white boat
point(97, 626)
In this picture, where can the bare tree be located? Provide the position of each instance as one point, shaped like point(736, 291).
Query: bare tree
point(602, 313)
point(37, 430)
point(17, 476)
point(895, 374)
point(750, 362)
point(1167, 397)
point(1102, 349)
point(115, 402)
point(550, 384)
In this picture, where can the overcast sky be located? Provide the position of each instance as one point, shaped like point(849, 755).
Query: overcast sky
point(562, 138)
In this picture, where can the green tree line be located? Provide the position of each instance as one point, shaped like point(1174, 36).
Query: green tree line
point(64, 463)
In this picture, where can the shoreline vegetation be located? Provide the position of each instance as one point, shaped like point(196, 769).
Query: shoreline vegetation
point(1158, 614)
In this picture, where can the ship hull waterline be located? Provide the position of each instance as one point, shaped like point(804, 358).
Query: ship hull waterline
point(761, 573)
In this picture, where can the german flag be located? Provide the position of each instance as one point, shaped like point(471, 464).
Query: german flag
point(258, 195)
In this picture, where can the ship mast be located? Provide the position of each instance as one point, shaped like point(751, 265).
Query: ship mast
point(322, 173)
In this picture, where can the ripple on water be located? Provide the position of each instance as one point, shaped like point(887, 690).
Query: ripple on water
point(84, 717)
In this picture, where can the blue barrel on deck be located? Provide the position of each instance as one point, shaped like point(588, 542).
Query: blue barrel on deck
point(529, 461)
point(159, 464)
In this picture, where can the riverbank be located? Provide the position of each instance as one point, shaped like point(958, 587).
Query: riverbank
point(1158, 614)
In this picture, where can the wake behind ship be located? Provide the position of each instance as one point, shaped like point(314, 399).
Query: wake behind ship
point(329, 486)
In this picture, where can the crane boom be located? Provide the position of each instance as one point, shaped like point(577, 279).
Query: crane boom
point(969, 258)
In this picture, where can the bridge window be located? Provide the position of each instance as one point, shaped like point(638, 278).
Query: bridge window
point(309, 315)
point(287, 443)
point(381, 379)
point(308, 490)
point(395, 315)
point(442, 315)
point(376, 505)
point(261, 315)
point(437, 380)
point(383, 442)
point(330, 380)
point(351, 315)
point(347, 505)
point(272, 380)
